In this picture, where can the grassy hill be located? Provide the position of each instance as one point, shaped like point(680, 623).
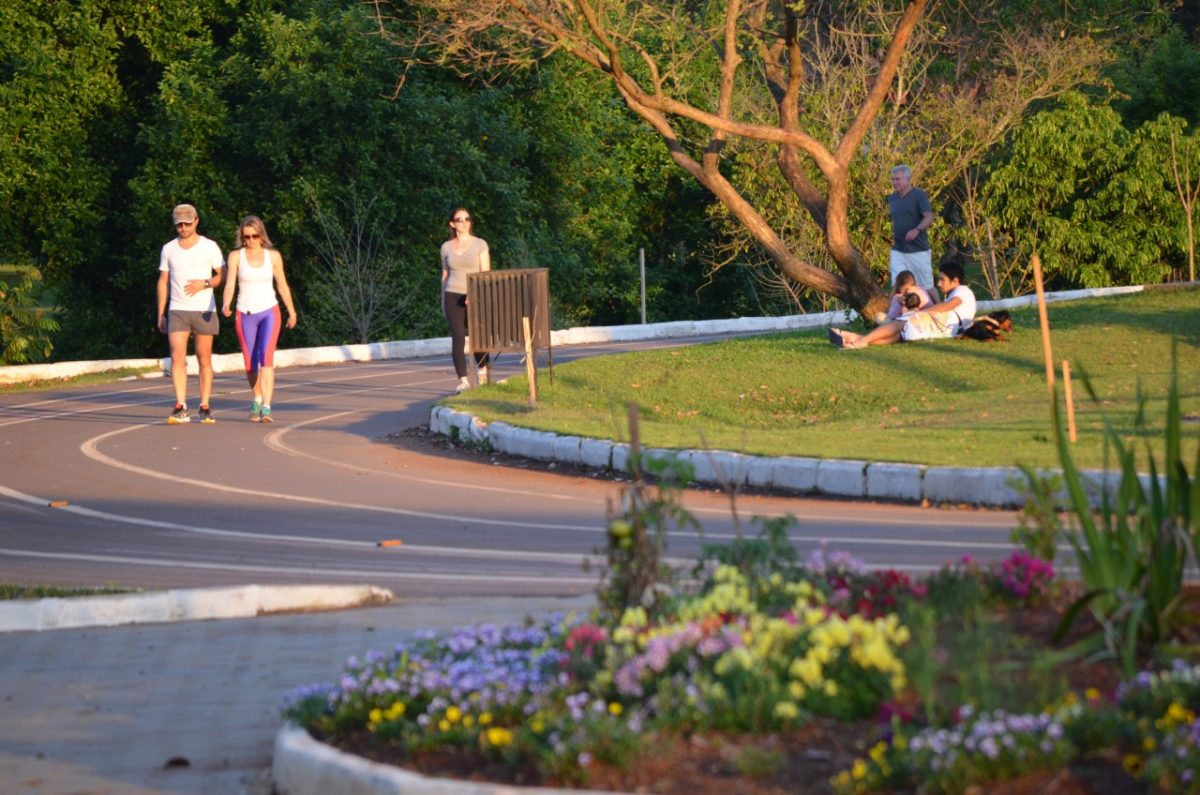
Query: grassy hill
point(947, 402)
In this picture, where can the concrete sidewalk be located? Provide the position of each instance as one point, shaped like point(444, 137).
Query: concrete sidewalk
point(189, 707)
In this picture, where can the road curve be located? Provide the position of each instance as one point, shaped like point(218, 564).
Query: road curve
point(96, 489)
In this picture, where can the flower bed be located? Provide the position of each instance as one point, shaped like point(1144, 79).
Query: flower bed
point(762, 679)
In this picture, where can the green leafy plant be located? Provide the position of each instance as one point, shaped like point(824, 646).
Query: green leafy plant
point(25, 328)
point(1038, 522)
point(759, 558)
point(649, 506)
point(1134, 550)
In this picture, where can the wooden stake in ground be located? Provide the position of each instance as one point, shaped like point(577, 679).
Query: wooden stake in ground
point(1045, 321)
point(1070, 401)
point(530, 361)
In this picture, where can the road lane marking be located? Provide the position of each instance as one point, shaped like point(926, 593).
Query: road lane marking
point(274, 440)
point(816, 538)
point(306, 572)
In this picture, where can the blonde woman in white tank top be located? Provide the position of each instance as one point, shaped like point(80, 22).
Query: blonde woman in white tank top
point(256, 271)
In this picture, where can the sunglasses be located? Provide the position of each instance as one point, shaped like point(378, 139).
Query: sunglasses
point(464, 219)
point(184, 223)
point(254, 236)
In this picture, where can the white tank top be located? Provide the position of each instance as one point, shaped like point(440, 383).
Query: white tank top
point(256, 284)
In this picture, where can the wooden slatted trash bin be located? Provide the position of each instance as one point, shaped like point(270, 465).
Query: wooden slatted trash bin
point(509, 310)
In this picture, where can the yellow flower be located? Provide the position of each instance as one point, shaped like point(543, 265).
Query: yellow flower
point(444, 725)
point(635, 617)
point(831, 688)
point(787, 710)
point(396, 710)
point(877, 752)
point(485, 719)
point(900, 742)
point(1133, 764)
point(468, 721)
point(498, 737)
point(807, 670)
point(1179, 714)
point(375, 716)
point(1091, 694)
point(453, 714)
point(614, 708)
point(1148, 744)
point(537, 725)
point(859, 770)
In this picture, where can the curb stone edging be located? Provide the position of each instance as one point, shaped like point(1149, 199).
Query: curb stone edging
point(887, 480)
point(440, 346)
point(190, 604)
point(302, 765)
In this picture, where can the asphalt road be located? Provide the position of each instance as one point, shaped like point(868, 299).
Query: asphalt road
point(308, 498)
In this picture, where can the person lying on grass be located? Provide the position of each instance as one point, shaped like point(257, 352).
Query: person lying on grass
point(940, 321)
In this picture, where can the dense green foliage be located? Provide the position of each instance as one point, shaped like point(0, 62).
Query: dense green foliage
point(1095, 199)
point(113, 111)
point(292, 111)
point(25, 328)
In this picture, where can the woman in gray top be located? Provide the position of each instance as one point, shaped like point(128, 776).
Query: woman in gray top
point(463, 253)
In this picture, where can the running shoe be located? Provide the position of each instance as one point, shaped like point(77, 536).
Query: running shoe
point(206, 416)
point(256, 411)
point(463, 384)
point(266, 414)
point(179, 416)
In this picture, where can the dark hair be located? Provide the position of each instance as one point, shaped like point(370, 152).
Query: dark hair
point(905, 278)
point(953, 271)
point(450, 220)
point(912, 301)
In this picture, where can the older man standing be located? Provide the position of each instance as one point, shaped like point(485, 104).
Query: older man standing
point(912, 215)
point(190, 266)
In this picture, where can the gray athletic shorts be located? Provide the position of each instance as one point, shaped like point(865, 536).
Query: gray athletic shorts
point(199, 322)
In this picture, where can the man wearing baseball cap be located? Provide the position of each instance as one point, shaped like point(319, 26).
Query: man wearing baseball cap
point(190, 266)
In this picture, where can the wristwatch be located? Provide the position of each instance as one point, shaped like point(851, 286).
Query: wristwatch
point(207, 283)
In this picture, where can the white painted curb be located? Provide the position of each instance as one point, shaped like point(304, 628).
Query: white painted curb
point(304, 766)
point(182, 605)
point(440, 346)
point(877, 480)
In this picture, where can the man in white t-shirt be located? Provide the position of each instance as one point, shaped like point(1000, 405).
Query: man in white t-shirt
point(190, 267)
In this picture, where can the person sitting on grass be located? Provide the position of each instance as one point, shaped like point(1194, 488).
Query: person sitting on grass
point(939, 321)
point(906, 290)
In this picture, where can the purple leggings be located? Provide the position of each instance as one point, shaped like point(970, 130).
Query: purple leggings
point(258, 333)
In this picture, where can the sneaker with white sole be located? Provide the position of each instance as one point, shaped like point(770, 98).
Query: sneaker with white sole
point(256, 411)
point(266, 414)
point(179, 416)
point(464, 384)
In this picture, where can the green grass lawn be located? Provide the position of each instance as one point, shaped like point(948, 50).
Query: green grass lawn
point(12, 591)
point(951, 402)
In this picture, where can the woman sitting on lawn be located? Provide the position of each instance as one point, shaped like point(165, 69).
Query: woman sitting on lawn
point(942, 320)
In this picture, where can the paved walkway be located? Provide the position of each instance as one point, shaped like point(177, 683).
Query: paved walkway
point(189, 707)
